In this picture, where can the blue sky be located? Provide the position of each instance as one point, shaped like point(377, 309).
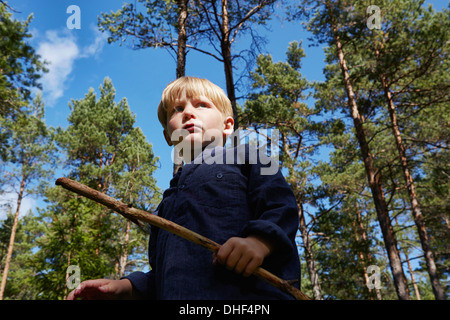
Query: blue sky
point(81, 58)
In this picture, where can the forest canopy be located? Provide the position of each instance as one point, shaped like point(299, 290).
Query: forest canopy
point(374, 211)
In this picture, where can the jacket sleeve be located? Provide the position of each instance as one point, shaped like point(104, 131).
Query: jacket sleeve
point(274, 207)
point(143, 282)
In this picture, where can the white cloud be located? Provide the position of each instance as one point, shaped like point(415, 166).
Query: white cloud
point(60, 49)
point(8, 201)
point(95, 47)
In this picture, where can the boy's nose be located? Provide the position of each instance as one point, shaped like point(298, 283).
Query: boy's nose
point(188, 112)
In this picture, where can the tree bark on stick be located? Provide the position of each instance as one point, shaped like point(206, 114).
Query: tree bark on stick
point(134, 214)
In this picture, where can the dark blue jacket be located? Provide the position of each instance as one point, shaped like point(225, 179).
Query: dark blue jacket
point(220, 201)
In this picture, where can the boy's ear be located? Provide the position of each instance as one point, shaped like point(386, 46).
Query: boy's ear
point(229, 126)
point(167, 137)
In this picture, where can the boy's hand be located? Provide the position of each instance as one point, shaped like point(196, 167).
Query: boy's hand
point(243, 255)
point(103, 289)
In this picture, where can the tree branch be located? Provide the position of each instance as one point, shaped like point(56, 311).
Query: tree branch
point(204, 51)
point(8, 6)
point(240, 23)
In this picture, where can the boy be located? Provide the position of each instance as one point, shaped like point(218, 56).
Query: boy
point(254, 216)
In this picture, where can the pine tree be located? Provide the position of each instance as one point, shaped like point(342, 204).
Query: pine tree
point(105, 151)
point(395, 75)
point(344, 223)
point(331, 22)
point(277, 102)
point(392, 68)
point(22, 270)
point(29, 161)
point(20, 70)
point(20, 66)
point(423, 62)
point(218, 24)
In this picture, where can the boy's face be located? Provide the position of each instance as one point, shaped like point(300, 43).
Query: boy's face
point(199, 120)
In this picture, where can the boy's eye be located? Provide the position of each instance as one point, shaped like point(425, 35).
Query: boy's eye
point(177, 109)
point(202, 105)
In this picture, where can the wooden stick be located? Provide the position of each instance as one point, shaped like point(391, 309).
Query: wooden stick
point(136, 214)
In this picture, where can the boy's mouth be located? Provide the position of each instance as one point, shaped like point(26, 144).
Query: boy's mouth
point(190, 127)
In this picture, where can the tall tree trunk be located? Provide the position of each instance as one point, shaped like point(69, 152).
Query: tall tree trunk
point(182, 38)
point(415, 208)
point(310, 262)
point(364, 257)
point(124, 257)
point(12, 239)
point(290, 178)
point(225, 46)
point(69, 255)
point(390, 241)
point(413, 279)
point(181, 61)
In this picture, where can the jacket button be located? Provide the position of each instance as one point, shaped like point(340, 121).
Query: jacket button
point(181, 186)
point(219, 175)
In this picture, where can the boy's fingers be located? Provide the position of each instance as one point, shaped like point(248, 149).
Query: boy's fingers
point(223, 252)
point(242, 264)
point(90, 289)
point(104, 289)
point(233, 260)
point(86, 284)
point(251, 267)
point(71, 295)
point(236, 255)
point(232, 254)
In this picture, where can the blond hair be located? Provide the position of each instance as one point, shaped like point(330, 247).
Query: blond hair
point(193, 88)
